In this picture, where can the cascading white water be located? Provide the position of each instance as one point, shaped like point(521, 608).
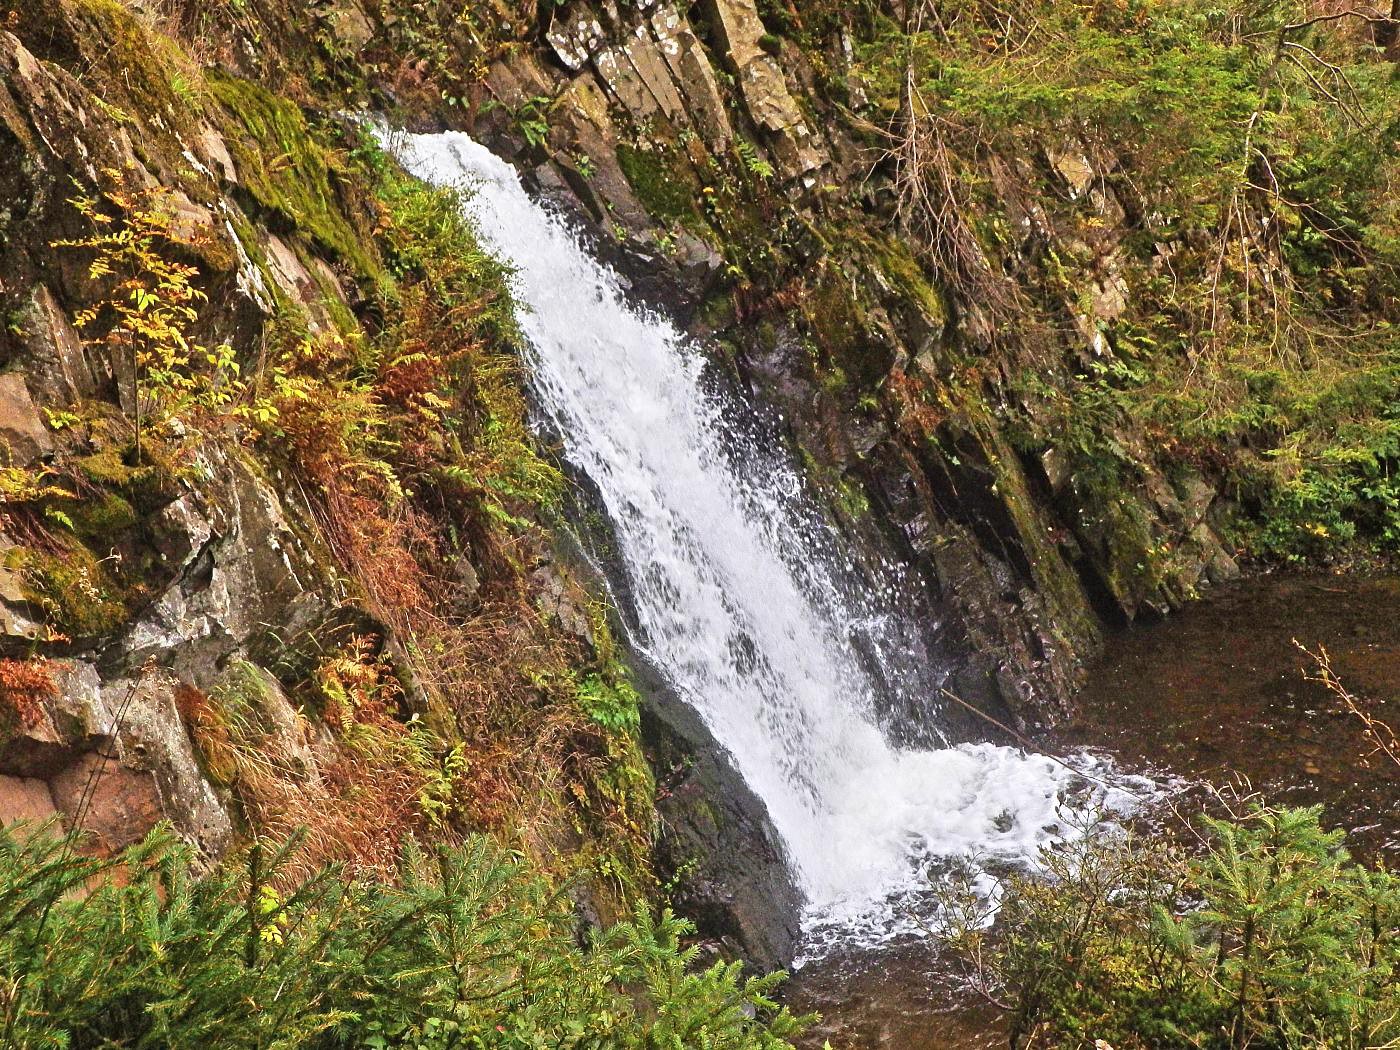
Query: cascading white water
point(741, 593)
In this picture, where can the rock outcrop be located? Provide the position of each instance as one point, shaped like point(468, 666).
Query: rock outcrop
point(898, 391)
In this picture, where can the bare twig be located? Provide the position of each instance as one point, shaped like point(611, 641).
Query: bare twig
point(1030, 746)
point(1378, 734)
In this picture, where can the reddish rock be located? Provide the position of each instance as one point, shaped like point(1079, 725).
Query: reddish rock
point(24, 798)
point(122, 805)
point(23, 436)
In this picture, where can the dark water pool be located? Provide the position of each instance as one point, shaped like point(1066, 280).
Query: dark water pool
point(1219, 692)
point(1214, 693)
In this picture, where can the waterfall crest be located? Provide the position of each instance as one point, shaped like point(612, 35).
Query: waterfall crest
point(742, 595)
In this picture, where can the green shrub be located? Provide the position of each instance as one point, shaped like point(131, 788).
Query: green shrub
point(1272, 937)
point(470, 950)
point(610, 701)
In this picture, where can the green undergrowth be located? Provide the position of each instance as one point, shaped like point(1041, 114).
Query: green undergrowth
point(1252, 148)
point(468, 948)
point(287, 170)
point(451, 686)
point(1270, 936)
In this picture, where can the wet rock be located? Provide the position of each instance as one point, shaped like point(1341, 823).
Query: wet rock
point(242, 572)
point(56, 359)
point(113, 758)
point(576, 36)
point(152, 740)
point(347, 21)
point(1075, 168)
point(214, 154)
point(562, 600)
point(581, 119)
point(717, 840)
point(298, 283)
point(637, 75)
point(518, 78)
point(75, 720)
point(78, 710)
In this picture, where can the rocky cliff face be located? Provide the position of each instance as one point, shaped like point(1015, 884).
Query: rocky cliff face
point(322, 600)
point(735, 163)
point(160, 586)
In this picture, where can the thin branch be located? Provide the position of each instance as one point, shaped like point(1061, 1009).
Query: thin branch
point(1379, 734)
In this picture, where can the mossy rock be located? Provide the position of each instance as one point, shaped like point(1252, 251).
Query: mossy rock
point(903, 271)
point(133, 71)
point(74, 591)
point(101, 518)
point(146, 487)
point(287, 172)
point(665, 185)
point(834, 314)
point(841, 329)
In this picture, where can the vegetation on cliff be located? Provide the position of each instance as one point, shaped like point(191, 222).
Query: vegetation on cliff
point(270, 300)
point(1207, 193)
point(298, 314)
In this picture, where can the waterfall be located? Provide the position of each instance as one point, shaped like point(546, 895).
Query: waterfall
point(742, 596)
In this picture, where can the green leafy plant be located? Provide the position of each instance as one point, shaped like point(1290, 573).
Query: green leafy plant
point(754, 163)
point(1272, 937)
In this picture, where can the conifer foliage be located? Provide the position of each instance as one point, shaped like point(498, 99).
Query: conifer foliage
point(469, 950)
point(1270, 937)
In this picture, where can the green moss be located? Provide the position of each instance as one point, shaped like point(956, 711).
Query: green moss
point(839, 326)
point(100, 518)
point(717, 311)
point(903, 271)
point(851, 498)
point(135, 67)
point(665, 186)
point(74, 592)
point(146, 488)
point(104, 468)
point(834, 314)
point(846, 493)
point(287, 171)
